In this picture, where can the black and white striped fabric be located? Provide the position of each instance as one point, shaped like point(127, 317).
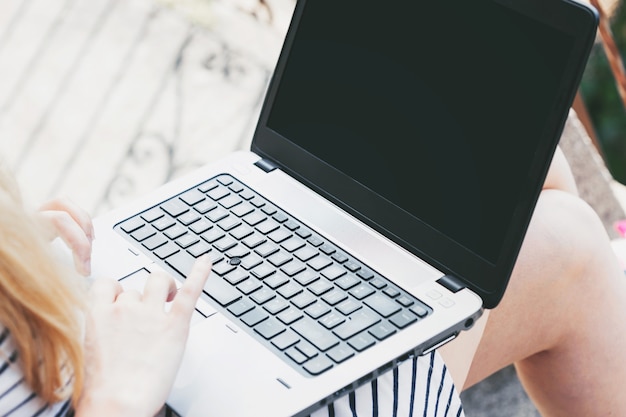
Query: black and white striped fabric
point(16, 398)
point(421, 387)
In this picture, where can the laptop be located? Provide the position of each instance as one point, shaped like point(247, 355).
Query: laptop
point(398, 157)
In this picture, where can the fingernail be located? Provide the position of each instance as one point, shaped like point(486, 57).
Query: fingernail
point(87, 267)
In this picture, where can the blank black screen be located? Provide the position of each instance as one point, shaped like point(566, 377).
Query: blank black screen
point(438, 107)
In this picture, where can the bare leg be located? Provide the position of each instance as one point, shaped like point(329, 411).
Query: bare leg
point(562, 319)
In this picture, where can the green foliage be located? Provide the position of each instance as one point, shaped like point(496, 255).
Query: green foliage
point(603, 102)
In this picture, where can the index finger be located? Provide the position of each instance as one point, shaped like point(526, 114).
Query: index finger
point(187, 296)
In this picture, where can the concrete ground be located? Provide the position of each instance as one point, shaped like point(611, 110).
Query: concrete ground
point(103, 100)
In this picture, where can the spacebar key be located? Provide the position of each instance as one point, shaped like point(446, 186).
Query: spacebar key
point(221, 291)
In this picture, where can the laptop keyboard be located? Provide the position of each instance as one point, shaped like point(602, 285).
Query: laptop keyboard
point(306, 299)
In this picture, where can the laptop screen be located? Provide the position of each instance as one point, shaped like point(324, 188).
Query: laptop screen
point(436, 108)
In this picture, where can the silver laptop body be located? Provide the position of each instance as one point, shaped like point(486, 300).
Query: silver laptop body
point(425, 249)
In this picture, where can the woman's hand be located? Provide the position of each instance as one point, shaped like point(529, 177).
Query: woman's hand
point(64, 219)
point(133, 346)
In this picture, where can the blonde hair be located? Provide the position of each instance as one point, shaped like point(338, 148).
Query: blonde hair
point(39, 303)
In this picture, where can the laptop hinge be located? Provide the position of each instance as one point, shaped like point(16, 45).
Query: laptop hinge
point(452, 283)
point(266, 165)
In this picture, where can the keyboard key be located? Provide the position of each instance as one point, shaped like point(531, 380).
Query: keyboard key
point(307, 349)
point(266, 249)
point(241, 231)
point(393, 293)
point(319, 263)
point(361, 291)
point(280, 258)
point(348, 306)
point(293, 268)
point(296, 356)
point(352, 266)
point(187, 240)
point(419, 310)
point(333, 272)
point(358, 322)
point(332, 320)
point(340, 353)
point(289, 290)
point(166, 250)
point(286, 339)
point(279, 235)
point(339, 257)
point(403, 319)
point(254, 317)
point(225, 180)
point(192, 197)
point(276, 305)
point(347, 281)
point(249, 286)
point(362, 341)
point(304, 278)
point(182, 262)
point(315, 334)
point(131, 225)
point(218, 193)
point(293, 244)
point(205, 206)
point(254, 240)
point(230, 201)
point(318, 365)
point(303, 233)
point(236, 276)
point(267, 226)
point(208, 186)
point(199, 248)
point(263, 295)
point(328, 249)
point(382, 330)
point(268, 209)
point(242, 209)
point(303, 300)
point(317, 310)
point(153, 214)
point(175, 207)
point(241, 307)
point(189, 218)
point(254, 218)
point(320, 287)
point(216, 214)
point(365, 274)
point(251, 261)
point(270, 328)
point(404, 300)
point(263, 271)
point(378, 283)
point(280, 217)
point(143, 233)
point(229, 223)
point(212, 235)
point(163, 223)
point(201, 226)
point(223, 268)
point(276, 280)
point(154, 242)
point(290, 316)
point(176, 231)
point(225, 243)
point(382, 305)
point(335, 296)
point(221, 291)
point(306, 253)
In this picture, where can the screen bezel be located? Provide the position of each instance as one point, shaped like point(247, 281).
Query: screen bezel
point(487, 279)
